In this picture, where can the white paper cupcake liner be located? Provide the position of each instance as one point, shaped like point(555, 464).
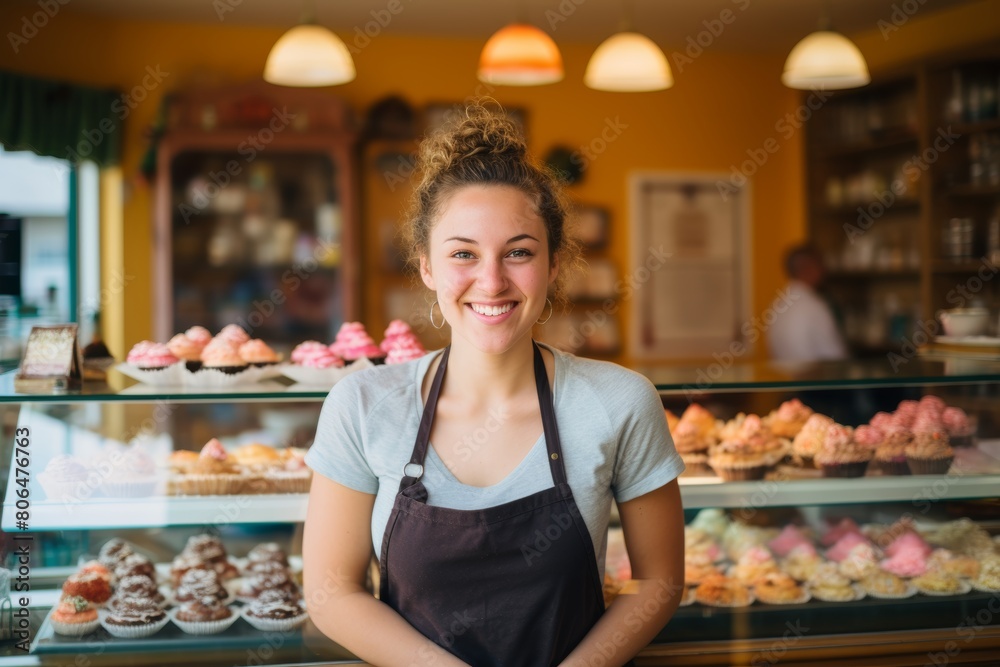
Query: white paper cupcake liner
point(132, 631)
point(171, 376)
point(323, 377)
point(178, 375)
point(983, 588)
point(68, 491)
point(274, 625)
point(850, 593)
point(910, 591)
point(73, 629)
point(963, 588)
point(801, 599)
point(137, 488)
point(687, 598)
point(204, 627)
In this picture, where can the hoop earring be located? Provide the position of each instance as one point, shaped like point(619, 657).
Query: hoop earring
point(551, 309)
point(430, 316)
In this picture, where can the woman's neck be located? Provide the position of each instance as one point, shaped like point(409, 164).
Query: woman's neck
point(490, 378)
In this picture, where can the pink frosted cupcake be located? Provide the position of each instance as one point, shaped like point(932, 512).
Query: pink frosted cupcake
point(313, 354)
point(890, 455)
point(187, 350)
point(400, 344)
point(961, 428)
point(906, 413)
point(150, 356)
point(353, 343)
point(809, 440)
point(929, 454)
point(257, 353)
point(789, 418)
point(840, 455)
point(235, 334)
point(844, 545)
point(222, 356)
point(199, 335)
point(791, 536)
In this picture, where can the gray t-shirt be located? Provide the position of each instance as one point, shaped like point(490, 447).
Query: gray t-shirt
point(614, 437)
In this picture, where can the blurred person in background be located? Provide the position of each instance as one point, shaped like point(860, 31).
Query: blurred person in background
point(805, 329)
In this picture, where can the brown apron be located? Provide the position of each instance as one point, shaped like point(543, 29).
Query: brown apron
point(514, 585)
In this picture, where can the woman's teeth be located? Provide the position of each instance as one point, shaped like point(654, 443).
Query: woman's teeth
point(491, 311)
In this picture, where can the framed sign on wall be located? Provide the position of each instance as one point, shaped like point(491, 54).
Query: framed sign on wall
point(690, 270)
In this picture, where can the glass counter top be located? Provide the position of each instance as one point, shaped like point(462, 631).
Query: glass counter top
point(668, 378)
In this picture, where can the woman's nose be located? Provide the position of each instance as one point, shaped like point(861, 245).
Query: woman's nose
point(492, 278)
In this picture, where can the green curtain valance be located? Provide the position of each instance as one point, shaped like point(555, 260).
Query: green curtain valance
point(59, 119)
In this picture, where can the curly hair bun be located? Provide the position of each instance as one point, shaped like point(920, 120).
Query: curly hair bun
point(472, 132)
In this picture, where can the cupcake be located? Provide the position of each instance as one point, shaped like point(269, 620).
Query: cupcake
point(136, 564)
point(184, 563)
point(809, 440)
point(931, 405)
point(182, 460)
point(839, 551)
point(133, 476)
point(150, 356)
point(722, 591)
point(789, 538)
point(187, 350)
point(736, 460)
point(255, 456)
point(257, 353)
point(929, 454)
point(200, 583)
point(910, 542)
point(779, 588)
point(213, 474)
point(691, 446)
point(840, 455)
point(942, 560)
point(353, 343)
point(113, 552)
point(890, 454)
point(711, 520)
point(95, 567)
point(267, 552)
point(802, 562)
point(66, 478)
point(400, 344)
point(199, 335)
point(203, 616)
point(698, 541)
point(789, 418)
point(697, 567)
point(906, 413)
point(860, 562)
point(960, 427)
point(754, 564)
point(906, 563)
point(256, 583)
point(90, 586)
point(940, 583)
point(134, 618)
point(829, 585)
point(313, 354)
point(222, 356)
point(837, 531)
point(74, 616)
point(887, 585)
point(882, 421)
point(208, 548)
point(988, 579)
point(234, 334)
point(136, 586)
point(702, 420)
point(275, 613)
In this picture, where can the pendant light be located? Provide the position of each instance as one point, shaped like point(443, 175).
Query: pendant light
point(825, 60)
point(628, 62)
point(520, 55)
point(309, 55)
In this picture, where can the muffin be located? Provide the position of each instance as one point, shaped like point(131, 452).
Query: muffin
point(134, 618)
point(691, 446)
point(74, 616)
point(91, 586)
point(702, 420)
point(256, 583)
point(779, 588)
point(789, 418)
point(255, 456)
point(113, 552)
point(275, 614)
point(214, 473)
point(353, 343)
point(721, 591)
point(737, 460)
point(960, 427)
point(890, 455)
point(187, 350)
point(840, 456)
point(208, 549)
point(860, 562)
point(182, 460)
point(888, 586)
point(257, 353)
point(755, 563)
point(134, 475)
point(267, 552)
point(929, 454)
point(200, 583)
point(223, 356)
point(150, 356)
point(809, 440)
point(940, 583)
point(313, 354)
point(203, 616)
point(697, 568)
point(137, 586)
point(133, 565)
point(829, 585)
point(802, 562)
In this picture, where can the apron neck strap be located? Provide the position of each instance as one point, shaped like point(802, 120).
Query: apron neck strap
point(549, 427)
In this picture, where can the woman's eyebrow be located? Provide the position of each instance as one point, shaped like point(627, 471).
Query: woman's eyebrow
point(513, 239)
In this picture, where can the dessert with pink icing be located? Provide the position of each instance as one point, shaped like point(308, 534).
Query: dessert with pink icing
point(258, 353)
point(881, 420)
point(222, 356)
point(929, 454)
point(789, 418)
point(151, 356)
point(890, 455)
point(860, 562)
point(199, 334)
point(809, 439)
point(931, 405)
point(235, 334)
point(906, 563)
point(927, 423)
point(401, 344)
point(353, 343)
point(839, 551)
point(908, 541)
point(184, 348)
point(906, 412)
point(789, 538)
point(960, 427)
point(833, 535)
point(868, 436)
point(802, 562)
point(754, 564)
point(313, 354)
point(841, 456)
point(828, 584)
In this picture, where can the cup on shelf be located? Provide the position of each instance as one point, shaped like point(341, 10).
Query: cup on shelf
point(965, 321)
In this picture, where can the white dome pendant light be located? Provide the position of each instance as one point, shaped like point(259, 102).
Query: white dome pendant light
point(309, 55)
point(825, 60)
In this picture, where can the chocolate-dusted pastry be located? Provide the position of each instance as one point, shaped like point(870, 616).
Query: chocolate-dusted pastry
point(203, 609)
point(258, 582)
point(274, 609)
point(114, 551)
point(135, 564)
point(135, 611)
point(207, 547)
point(200, 583)
point(185, 562)
point(266, 567)
point(267, 552)
point(137, 586)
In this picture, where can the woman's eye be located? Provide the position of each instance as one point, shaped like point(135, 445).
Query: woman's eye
point(520, 252)
point(462, 254)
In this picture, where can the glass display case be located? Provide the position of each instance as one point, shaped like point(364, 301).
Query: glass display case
point(956, 510)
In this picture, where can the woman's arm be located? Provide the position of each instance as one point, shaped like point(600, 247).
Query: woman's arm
point(654, 536)
point(336, 551)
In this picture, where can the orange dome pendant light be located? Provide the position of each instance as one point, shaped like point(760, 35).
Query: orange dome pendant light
point(520, 55)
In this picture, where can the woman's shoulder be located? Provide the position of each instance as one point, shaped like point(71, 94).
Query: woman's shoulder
point(612, 382)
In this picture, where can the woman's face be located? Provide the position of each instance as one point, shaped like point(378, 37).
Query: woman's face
point(488, 261)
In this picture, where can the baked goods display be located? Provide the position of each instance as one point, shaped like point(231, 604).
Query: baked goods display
point(200, 592)
point(917, 438)
point(728, 563)
point(250, 469)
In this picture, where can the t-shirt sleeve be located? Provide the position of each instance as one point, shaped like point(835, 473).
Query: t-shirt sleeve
point(646, 457)
point(338, 451)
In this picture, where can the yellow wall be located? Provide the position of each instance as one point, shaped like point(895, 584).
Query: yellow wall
point(721, 106)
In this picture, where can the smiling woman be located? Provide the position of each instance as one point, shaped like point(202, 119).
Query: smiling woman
point(483, 474)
